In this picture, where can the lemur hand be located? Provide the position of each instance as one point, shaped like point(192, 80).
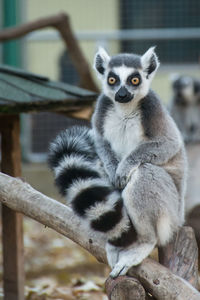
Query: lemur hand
point(124, 173)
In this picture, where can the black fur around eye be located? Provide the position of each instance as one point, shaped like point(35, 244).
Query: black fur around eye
point(134, 79)
point(113, 79)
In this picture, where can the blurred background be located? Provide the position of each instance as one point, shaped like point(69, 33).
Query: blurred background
point(119, 26)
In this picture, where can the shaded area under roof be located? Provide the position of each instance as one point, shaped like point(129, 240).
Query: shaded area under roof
point(22, 91)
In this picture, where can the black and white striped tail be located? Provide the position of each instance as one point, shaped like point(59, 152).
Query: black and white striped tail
point(79, 177)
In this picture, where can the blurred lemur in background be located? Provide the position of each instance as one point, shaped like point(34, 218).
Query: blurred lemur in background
point(185, 107)
point(125, 177)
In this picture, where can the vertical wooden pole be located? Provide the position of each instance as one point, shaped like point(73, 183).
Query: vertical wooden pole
point(12, 223)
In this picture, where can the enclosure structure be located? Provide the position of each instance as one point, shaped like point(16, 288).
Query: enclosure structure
point(26, 92)
point(152, 278)
point(21, 91)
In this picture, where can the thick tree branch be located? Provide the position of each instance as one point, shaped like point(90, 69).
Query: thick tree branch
point(60, 22)
point(21, 197)
point(163, 284)
point(156, 279)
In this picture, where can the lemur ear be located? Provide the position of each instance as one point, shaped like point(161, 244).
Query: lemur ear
point(150, 62)
point(101, 60)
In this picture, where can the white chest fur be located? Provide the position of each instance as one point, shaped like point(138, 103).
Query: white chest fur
point(123, 132)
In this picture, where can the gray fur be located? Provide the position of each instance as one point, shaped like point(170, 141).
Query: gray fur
point(149, 162)
point(129, 60)
point(185, 107)
point(125, 178)
point(103, 106)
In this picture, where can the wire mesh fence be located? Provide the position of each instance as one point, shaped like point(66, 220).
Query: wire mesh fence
point(133, 26)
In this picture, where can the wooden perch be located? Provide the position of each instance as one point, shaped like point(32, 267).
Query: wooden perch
point(124, 288)
point(60, 22)
point(162, 283)
point(155, 278)
point(21, 197)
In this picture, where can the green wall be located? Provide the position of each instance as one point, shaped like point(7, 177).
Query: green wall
point(11, 17)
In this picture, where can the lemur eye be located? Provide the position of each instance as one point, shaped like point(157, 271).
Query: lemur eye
point(111, 80)
point(135, 80)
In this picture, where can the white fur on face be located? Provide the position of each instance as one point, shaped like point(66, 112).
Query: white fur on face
point(124, 72)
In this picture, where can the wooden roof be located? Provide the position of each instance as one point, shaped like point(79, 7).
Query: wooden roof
point(22, 91)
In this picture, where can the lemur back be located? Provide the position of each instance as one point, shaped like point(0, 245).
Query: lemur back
point(138, 160)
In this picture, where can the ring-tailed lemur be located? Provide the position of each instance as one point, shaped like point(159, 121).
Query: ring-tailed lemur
point(185, 107)
point(135, 150)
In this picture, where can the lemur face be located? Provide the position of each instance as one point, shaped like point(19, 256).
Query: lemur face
point(126, 77)
point(185, 88)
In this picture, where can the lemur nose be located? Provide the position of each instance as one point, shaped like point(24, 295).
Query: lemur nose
point(122, 93)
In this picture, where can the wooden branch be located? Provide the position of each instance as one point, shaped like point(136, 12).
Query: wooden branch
point(124, 288)
point(181, 256)
point(60, 22)
point(156, 279)
point(162, 283)
point(21, 197)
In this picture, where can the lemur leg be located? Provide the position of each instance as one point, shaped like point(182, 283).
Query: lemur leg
point(151, 200)
point(128, 258)
point(112, 253)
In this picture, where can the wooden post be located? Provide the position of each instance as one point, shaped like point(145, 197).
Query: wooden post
point(12, 223)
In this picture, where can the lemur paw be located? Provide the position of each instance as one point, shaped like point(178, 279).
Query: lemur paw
point(120, 181)
point(120, 270)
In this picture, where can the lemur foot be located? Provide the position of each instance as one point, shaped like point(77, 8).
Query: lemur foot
point(119, 270)
point(131, 257)
point(124, 264)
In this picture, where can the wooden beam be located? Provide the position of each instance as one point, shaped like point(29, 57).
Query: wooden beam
point(12, 223)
